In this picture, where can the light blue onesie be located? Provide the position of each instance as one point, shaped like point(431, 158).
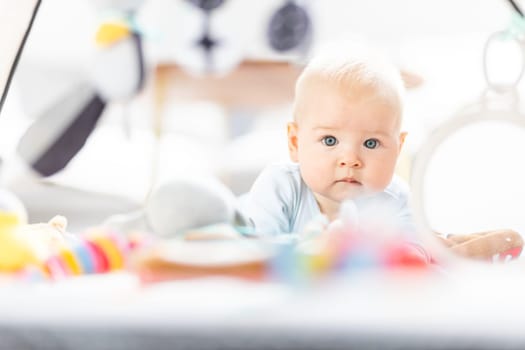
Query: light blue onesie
point(280, 202)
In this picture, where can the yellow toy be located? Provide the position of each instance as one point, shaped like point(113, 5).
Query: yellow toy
point(24, 245)
point(15, 253)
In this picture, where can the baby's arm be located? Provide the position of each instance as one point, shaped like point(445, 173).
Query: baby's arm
point(268, 203)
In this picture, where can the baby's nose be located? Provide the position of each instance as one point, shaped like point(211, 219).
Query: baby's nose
point(353, 163)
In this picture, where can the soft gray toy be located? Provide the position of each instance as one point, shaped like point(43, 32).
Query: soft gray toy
point(180, 205)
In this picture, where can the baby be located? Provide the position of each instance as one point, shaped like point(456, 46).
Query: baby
point(344, 141)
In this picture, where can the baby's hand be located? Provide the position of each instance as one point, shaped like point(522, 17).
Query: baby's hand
point(314, 228)
point(324, 237)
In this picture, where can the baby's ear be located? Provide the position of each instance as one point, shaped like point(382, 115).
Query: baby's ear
point(402, 137)
point(292, 141)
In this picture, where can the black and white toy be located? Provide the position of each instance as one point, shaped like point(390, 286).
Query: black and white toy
point(50, 143)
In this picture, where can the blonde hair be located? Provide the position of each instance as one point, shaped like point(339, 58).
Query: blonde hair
point(355, 68)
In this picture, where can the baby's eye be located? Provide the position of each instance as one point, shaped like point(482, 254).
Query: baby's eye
point(371, 143)
point(329, 141)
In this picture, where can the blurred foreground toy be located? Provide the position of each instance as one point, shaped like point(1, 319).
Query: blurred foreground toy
point(343, 249)
point(46, 251)
point(338, 252)
point(96, 250)
point(200, 233)
point(180, 259)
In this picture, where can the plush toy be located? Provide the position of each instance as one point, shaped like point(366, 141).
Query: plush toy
point(192, 208)
point(118, 74)
point(24, 245)
point(46, 251)
point(15, 253)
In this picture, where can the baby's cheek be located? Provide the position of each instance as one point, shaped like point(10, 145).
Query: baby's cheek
point(314, 177)
point(378, 181)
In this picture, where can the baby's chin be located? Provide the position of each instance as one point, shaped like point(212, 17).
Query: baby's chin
point(342, 196)
point(340, 192)
point(355, 192)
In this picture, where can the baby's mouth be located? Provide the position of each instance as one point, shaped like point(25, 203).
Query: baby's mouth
point(349, 180)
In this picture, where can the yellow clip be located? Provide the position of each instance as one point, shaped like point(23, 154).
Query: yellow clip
point(110, 33)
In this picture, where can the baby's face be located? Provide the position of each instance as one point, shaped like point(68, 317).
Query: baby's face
point(345, 147)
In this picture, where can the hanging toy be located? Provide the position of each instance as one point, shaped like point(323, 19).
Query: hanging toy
point(290, 28)
point(208, 44)
point(50, 143)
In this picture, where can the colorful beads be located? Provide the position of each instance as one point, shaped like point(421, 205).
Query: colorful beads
point(55, 267)
point(100, 261)
point(342, 251)
point(84, 258)
point(95, 251)
point(109, 249)
point(70, 261)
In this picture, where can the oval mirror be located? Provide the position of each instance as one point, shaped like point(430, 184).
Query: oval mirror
point(468, 185)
